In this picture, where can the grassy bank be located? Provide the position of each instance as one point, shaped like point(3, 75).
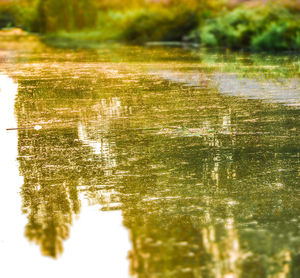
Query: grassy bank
point(255, 26)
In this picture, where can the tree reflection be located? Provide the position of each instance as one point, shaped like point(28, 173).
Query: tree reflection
point(50, 194)
point(206, 183)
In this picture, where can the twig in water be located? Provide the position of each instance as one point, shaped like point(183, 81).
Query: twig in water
point(37, 127)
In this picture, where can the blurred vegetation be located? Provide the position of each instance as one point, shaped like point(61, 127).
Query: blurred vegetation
point(53, 15)
point(144, 25)
point(267, 28)
point(250, 25)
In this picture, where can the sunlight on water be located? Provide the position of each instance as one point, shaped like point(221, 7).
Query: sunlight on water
point(285, 91)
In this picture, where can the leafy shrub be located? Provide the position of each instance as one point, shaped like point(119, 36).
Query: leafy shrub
point(271, 39)
point(255, 29)
point(278, 31)
point(234, 30)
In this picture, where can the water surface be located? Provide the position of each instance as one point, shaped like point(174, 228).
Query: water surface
point(151, 162)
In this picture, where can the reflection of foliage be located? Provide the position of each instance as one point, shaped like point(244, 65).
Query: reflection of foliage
point(54, 163)
point(50, 189)
point(218, 203)
point(169, 213)
point(50, 218)
point(177, 200)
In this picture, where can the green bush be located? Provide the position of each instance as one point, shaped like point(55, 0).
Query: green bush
point(271, 39)
point(279, 33)
point(234, 30)
point(256, 29)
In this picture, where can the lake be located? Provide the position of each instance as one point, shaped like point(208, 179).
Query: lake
point(131, 161)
